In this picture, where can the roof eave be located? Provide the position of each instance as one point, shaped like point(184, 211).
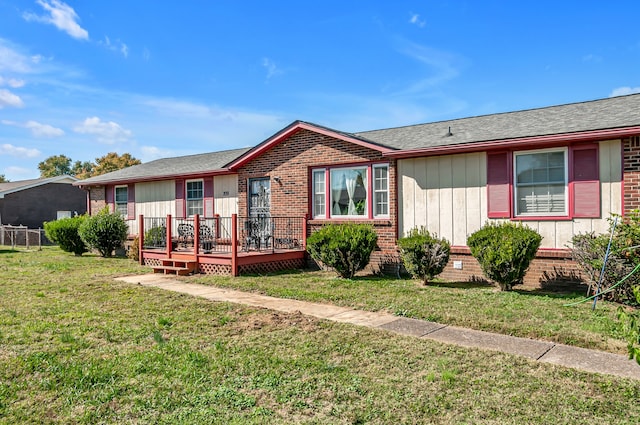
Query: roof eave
point(537, 141)
point(83, 183)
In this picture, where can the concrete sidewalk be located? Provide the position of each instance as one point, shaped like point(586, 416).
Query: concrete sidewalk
point(547, 352)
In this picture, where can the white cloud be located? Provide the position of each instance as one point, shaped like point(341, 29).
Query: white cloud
point(11, 82)
point(621, 91)
point(62, 16)
point(592, 58)
point(37, 129)
point(9, 99)
point(11, 60)
point(443, 66)
point(272, 69)
point(146, 54)
point(415, 20)
point(8, 149)
point(149, 153)
point(105, 132)
point(116, 46)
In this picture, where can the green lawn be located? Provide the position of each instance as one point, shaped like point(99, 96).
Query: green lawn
point(525, 313)
point(78, 347)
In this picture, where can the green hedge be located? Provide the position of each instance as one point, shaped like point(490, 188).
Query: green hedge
point(104, 232)
point(504, 251)
point(346, 248)
point(64, 232)
point(423, 255)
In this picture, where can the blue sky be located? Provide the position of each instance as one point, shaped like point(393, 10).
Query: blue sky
point(159, 79)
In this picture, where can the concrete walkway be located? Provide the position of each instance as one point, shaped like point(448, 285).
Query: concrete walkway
point(547, 352)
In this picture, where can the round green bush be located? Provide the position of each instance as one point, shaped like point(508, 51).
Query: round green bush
point(64, 232)
point(504, 251)
point(104, 232)
point(346, 248)
point(423, 255)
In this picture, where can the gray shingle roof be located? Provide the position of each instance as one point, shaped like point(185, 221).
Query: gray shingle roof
point(15, 186)
point(610, 113)
point(167, 167)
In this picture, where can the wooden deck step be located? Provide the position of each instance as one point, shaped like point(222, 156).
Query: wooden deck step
point(175, 266)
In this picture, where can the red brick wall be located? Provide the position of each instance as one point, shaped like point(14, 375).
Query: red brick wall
point(97, 199)
point(553, 268)
point(631, 183)
point(292, 161)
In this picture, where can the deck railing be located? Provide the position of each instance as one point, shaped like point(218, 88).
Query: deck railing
point(216, 234)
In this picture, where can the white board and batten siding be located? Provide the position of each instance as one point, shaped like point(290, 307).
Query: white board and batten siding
point(225, 195)
point(448, 195)
point(158, 199)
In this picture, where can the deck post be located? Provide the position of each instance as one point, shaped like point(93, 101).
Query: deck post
point(140, 239)
point(304, 230)
point(217, 227)
point(169, 238)
point(196, 235)
point(234, 245)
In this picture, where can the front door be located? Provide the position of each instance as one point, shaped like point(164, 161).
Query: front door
point(260, 197)
point(259, 222)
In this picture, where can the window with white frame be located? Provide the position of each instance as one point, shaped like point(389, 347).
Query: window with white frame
point(346, 191)
point(121, 199)
point(380, 190)
point(319, 193)
point(540, 179)
point(195, 195)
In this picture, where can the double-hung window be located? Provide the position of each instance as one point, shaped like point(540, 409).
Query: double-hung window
point(540, 179)
point(552, 183)
point(195, 195)
point(351, 192)
point(121, 200)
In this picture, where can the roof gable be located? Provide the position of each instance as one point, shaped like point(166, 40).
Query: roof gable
point(294, 128)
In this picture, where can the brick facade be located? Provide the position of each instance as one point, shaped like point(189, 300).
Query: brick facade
point(631, 189)
point(292, 161)
point(97, 199)
point(549, 268)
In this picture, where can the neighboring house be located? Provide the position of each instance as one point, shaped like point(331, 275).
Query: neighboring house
point(32, 202)
point(561, 170)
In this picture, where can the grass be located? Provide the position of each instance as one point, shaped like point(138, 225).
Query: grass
point(77, 347)
point(525, 313)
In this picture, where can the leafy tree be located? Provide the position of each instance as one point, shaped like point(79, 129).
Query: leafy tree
point(104, 231)
point(112, 162)
point(57, 165)
point(82, 170)
point(3, 179)
point(423, 255)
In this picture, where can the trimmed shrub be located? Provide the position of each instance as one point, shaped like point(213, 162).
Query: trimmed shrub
point(346, 248)
point(589, 250)
point(423, 255)
point(64, 233)
point(504, 251)
point(104, 232)
point(155, 237)
point(134, 251)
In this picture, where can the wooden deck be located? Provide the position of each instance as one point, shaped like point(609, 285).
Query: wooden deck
point(186, 261)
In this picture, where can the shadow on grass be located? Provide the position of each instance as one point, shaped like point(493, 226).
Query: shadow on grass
point(9, 251)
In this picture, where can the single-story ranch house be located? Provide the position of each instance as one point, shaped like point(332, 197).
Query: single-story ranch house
point(561, 170)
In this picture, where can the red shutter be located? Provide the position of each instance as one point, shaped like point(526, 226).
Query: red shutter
point(109, 197)
point(585, 183)
point(131, 201)
point(498, 185)
point(180, 213)
point(208, 197)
